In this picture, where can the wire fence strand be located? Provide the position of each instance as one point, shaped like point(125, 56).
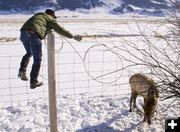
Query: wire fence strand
point(85, 67)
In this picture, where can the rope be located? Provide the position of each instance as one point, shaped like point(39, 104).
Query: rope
point(84, 58)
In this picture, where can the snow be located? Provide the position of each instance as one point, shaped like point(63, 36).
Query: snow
point(83, 104)
point(112, 3)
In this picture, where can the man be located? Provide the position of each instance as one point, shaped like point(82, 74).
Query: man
point(32, 32)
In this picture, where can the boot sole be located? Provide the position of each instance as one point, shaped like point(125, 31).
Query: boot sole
point(23, 78)
point(38, 85)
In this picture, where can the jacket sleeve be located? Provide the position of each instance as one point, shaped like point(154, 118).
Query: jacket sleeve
point(60, 30)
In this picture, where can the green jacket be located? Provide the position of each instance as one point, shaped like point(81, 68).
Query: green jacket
point(43, 23)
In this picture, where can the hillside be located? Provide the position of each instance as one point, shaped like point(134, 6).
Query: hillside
point(151, 7)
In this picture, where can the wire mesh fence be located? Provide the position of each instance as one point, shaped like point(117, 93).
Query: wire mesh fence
point(95, 71)
point(88, 69)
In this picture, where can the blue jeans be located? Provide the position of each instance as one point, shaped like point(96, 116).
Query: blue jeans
point(33, 46)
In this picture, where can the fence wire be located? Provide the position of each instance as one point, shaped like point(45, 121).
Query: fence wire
point(90, 67)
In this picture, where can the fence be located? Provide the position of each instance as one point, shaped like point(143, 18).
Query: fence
point(89, 68)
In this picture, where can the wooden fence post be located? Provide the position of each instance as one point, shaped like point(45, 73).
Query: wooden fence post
point(52, 83)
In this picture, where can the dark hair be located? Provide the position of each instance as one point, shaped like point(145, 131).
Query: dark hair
point(50, 12)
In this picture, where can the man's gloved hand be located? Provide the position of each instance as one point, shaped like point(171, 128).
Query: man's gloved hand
point(77, 37)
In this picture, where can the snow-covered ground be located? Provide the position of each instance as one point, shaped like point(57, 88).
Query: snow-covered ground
point(86, 102)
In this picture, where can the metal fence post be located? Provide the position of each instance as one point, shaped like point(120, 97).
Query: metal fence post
point(52, 83)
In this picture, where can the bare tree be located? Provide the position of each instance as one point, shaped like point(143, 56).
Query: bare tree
point(162, 59)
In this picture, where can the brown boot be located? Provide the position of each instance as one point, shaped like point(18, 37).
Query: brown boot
point(22, 76)
point(35, 83)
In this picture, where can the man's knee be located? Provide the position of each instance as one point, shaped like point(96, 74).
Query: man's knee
point(37, 60)
point(28, 55)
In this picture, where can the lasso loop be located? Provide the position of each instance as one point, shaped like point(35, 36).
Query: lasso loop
point(106, 49)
